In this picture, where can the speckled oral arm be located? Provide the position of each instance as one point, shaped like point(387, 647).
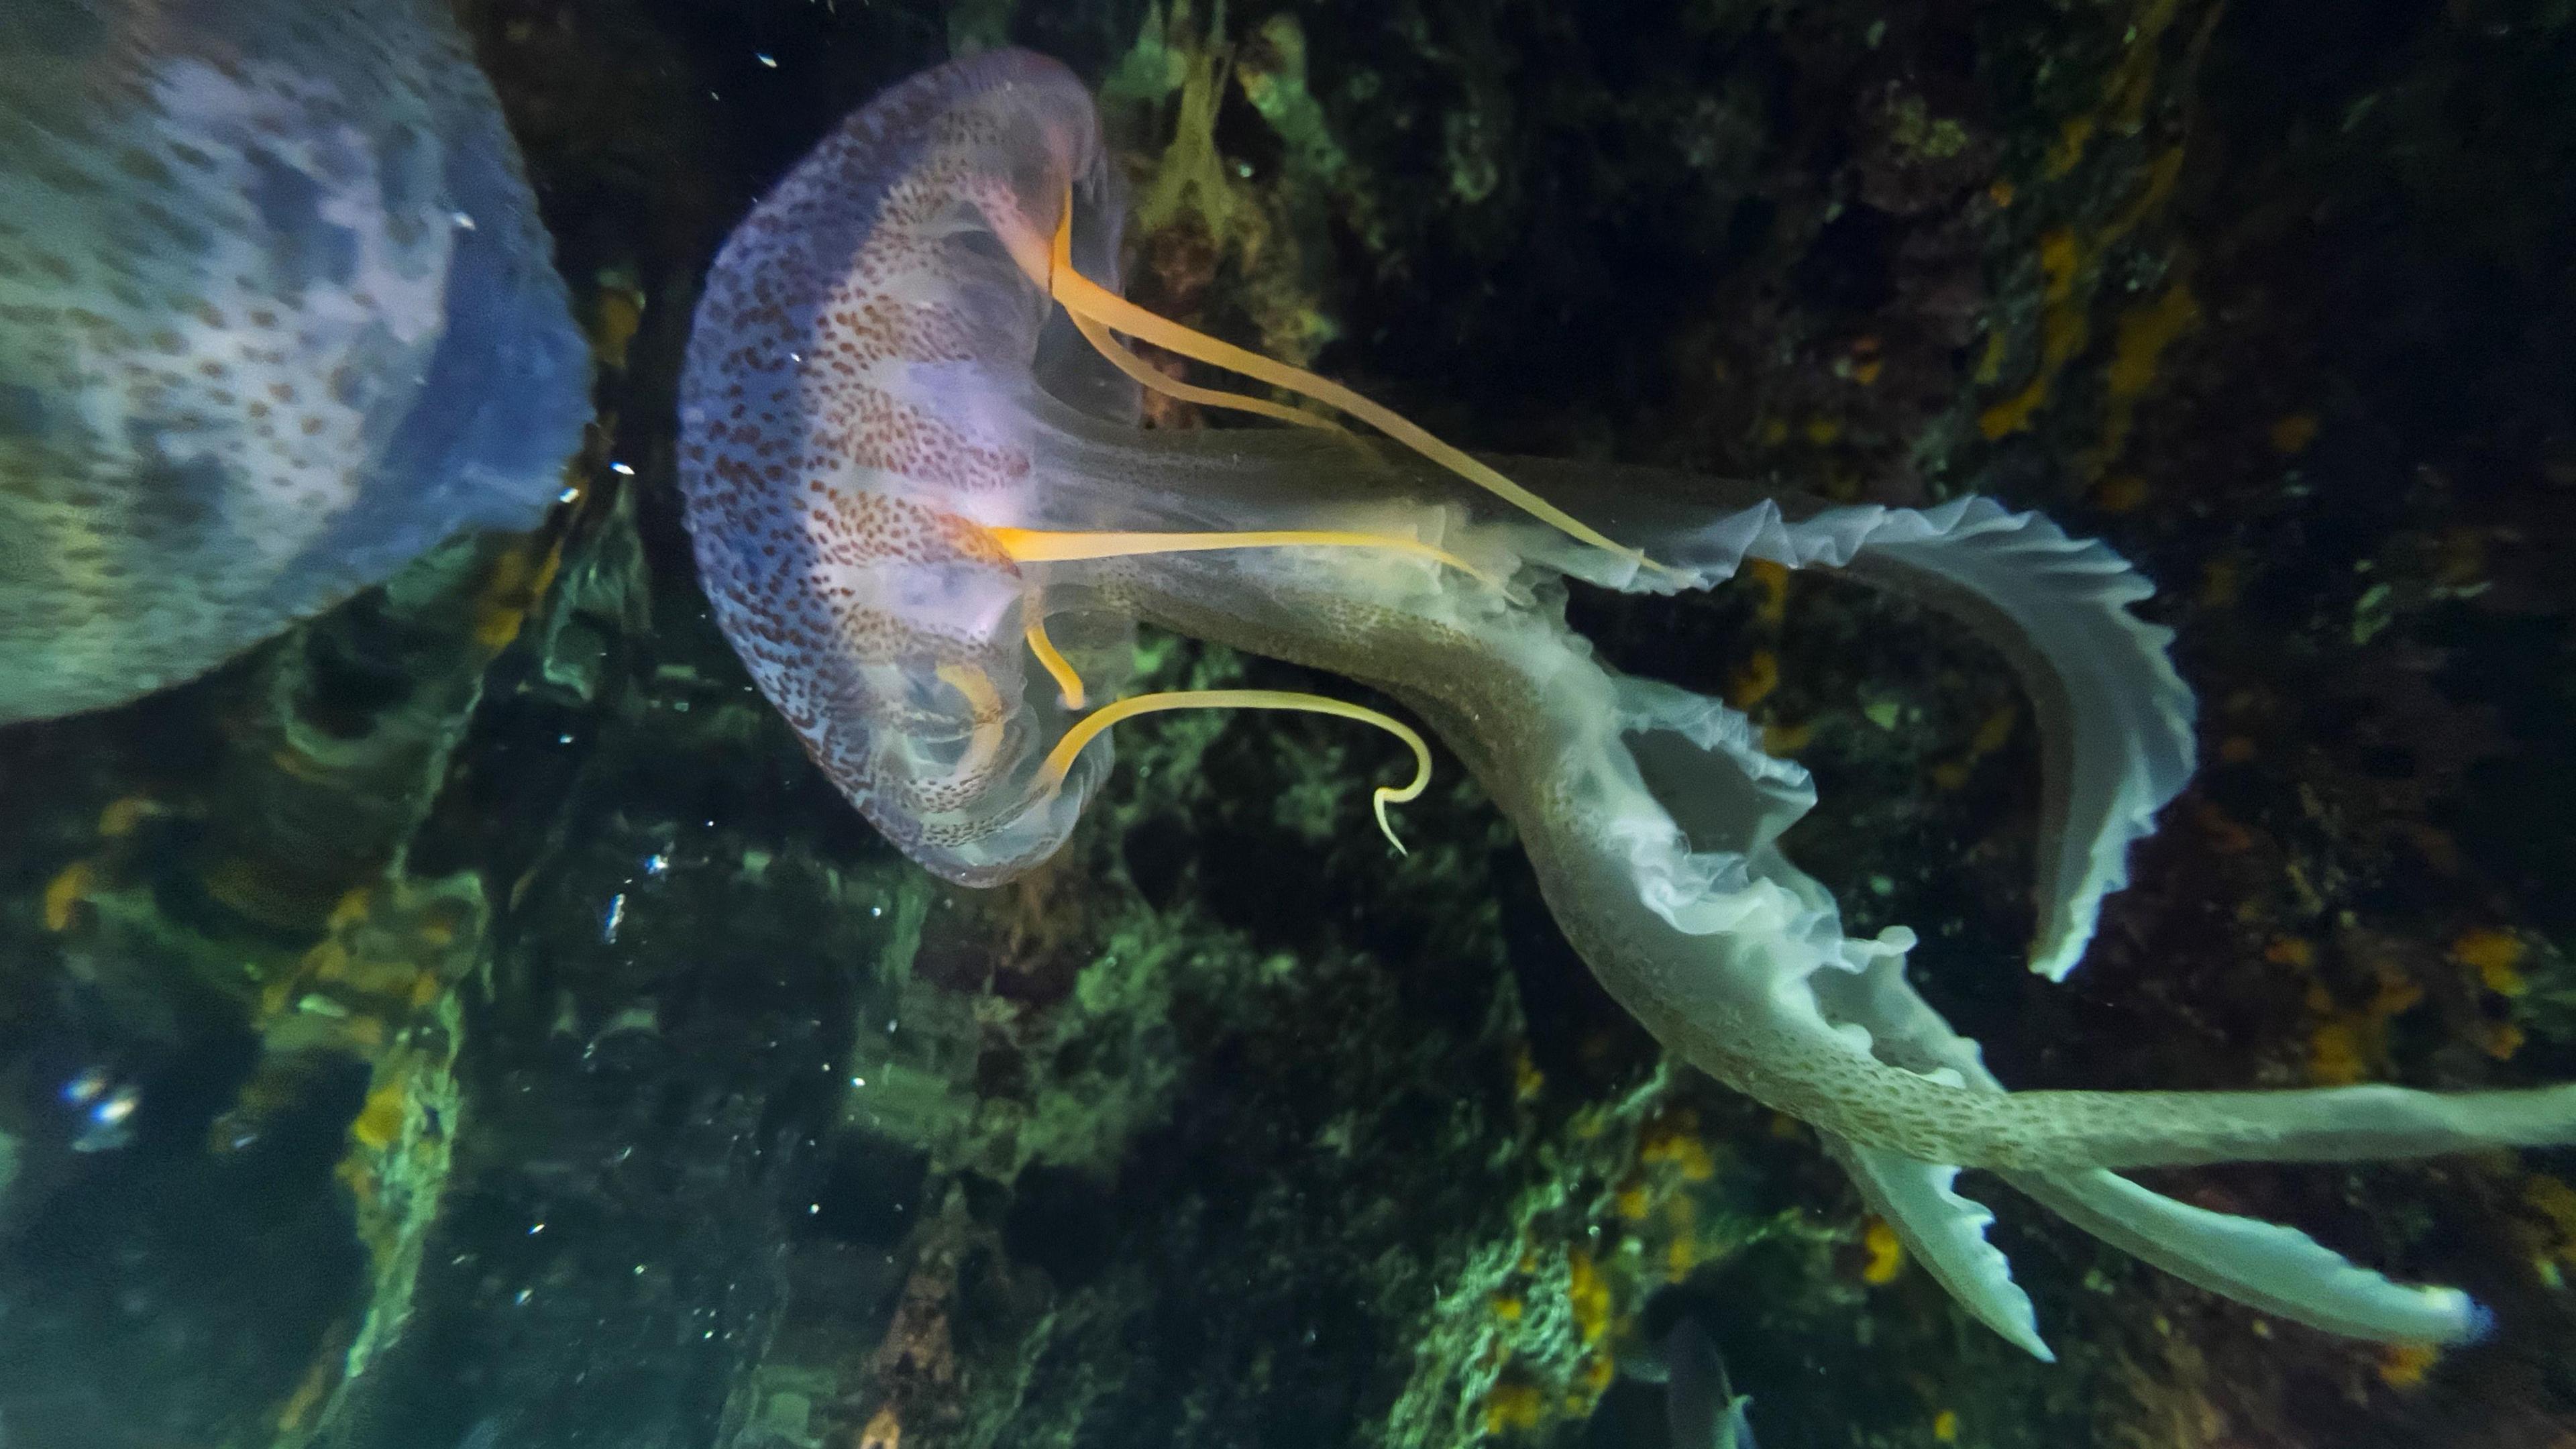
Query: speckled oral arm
point(1652, 818)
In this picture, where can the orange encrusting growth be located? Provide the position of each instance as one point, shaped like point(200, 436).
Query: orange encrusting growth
point(1886, 1253)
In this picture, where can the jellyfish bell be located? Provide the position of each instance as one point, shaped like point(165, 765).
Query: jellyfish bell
point(884, 449)
point(855, 412)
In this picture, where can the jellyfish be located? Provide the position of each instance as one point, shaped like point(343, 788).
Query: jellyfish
point(928, 523)
point(276, 316)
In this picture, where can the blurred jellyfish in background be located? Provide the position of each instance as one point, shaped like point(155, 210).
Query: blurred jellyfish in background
point(276, 316)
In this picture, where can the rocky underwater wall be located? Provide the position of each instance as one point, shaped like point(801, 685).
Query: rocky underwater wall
point(468, 1021)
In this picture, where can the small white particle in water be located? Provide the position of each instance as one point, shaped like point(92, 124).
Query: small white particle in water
point(765, 59)
point(463, 222)
point(639, 1270)
point(813, 1208)
point(536, 1228)
point(858, 1081)
point(563, 739)
point(622, 470)
point(616, 918)
point(523, 1297)
point(876, 910)
point(119, 1105)
point(568, 495)
point(656, 863)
